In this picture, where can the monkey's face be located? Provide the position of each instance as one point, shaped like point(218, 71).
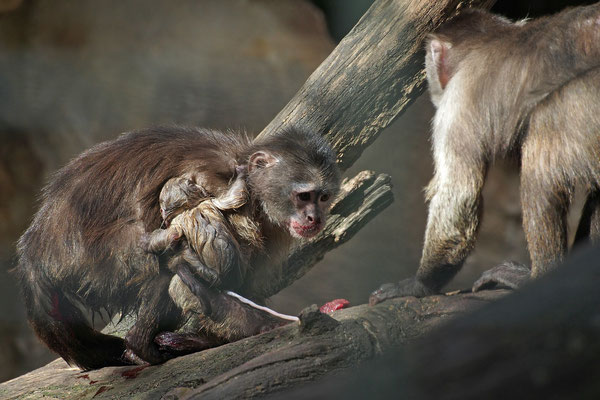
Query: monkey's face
point(310, 208)
point(294, 177)
point(293, 193)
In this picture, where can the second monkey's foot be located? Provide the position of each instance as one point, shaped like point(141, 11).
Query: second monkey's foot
point(509, 274)
point(406, 287)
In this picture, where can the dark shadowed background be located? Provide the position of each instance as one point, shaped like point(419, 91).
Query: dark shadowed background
point(74, 73)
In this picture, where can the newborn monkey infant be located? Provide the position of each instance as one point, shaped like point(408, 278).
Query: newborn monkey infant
point(211, 245)
point(215, 237)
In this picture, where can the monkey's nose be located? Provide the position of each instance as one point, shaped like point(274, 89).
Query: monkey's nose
point(313, 220)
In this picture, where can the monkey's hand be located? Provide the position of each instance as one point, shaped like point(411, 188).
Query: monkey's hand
point(509, 274)
point(160, 240)
point(406, 287)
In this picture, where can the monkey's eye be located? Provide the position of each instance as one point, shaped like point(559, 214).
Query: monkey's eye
point(303, 196)
point(324, 197)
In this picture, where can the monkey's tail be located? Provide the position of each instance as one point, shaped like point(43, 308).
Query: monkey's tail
point(61, 325)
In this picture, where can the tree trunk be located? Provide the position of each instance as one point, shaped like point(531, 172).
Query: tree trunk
point(371, 77)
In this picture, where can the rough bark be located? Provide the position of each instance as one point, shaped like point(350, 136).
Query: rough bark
point(259, 365)
point(538, 343)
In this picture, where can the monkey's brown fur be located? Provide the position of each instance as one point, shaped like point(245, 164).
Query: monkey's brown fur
point(83, 246)
point(504, 88)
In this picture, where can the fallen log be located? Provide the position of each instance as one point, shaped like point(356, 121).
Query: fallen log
point(540, 342)
point(280, 359)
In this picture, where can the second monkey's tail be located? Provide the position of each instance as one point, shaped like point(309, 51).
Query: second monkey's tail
point(63, 327)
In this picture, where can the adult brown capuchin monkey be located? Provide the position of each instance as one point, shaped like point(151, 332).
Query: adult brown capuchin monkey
point(85, 246)
point(500, 87)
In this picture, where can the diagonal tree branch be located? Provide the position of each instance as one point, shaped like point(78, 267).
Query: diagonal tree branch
point(368, 80)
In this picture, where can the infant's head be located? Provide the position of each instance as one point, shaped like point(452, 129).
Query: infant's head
point(178, 195)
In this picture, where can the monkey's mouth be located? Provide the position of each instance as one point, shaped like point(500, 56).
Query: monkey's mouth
point(305, 231)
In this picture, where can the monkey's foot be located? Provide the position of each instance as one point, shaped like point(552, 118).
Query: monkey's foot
point(179, 344)
point(406, 287)
point(509, 274)
point(140, 352)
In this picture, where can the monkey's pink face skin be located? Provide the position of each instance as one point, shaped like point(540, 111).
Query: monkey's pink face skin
point(302, 231)
point(311, 205)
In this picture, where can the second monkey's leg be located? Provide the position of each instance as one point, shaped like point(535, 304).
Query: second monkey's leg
point(545, 199)
point(454, 214)
point(545, 208)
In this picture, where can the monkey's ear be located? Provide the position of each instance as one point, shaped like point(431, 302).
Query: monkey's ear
point(261, 159)
point(439, 54)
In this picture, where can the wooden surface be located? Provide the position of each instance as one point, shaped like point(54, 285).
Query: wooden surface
point(277, 360)
point(540, 342)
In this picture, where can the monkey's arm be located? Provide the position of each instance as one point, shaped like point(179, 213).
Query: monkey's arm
point(237, 194)
point(160, 240)
point(454, 212)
